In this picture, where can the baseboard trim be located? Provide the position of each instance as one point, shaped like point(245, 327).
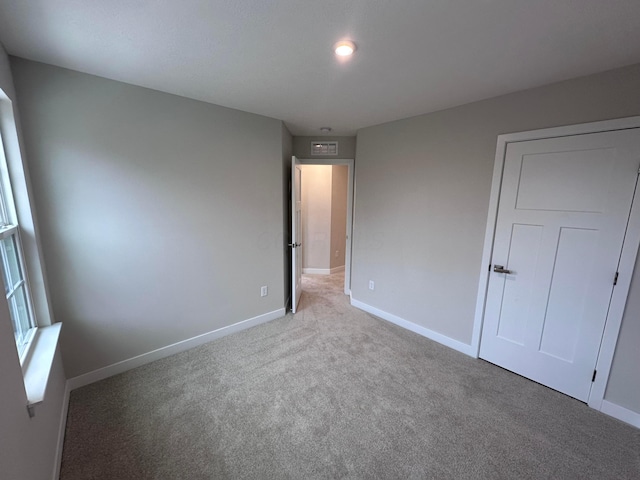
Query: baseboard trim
point(425, 332)
point(139, 360)
point(621, 413)
point(61, 430)
point(323, 271)
point(316, 271)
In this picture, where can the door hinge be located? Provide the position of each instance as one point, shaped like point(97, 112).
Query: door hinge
point(593, 379)
point(489, 267)
point(615, 279)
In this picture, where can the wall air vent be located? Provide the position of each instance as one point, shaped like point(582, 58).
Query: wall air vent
point(324, 148)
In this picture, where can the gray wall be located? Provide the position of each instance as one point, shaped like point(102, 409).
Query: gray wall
point(161, 217)
point(339, 180)
point(28, 447)
point(422, 197)
point(346, 146)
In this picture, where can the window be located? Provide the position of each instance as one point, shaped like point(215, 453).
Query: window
point(14, 274)
point(36, 334)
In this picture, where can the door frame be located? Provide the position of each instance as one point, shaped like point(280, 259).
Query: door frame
point(350, 163)
point(627, 257)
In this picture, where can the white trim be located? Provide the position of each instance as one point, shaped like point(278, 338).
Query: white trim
point(617, 306)
point(316, 271)
point(621, 413)
point(350, 163)
point(17, 171)
point(568, 130)
point(323, 271)
point(38, 363)
point(425, 332)
point(61, 430)
point(627, 259)
point(487, 252)
point(296, 233)
point(143, 359)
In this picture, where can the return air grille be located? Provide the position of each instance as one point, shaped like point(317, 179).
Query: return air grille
point(324, 148)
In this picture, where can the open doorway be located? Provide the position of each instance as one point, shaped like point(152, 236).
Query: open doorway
point(324, 218)
point(326, 194)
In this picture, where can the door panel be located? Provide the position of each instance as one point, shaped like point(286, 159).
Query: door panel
point(296, 234)
point(563, 210)
point(579, 183)
point(525, 244)
point(568, 292)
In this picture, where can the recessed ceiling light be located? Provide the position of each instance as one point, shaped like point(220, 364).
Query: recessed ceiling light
point(325, 130)
point(344, 48)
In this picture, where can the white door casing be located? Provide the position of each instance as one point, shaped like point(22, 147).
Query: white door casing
point(296, 234)
point(350, 164)
point(564, 206)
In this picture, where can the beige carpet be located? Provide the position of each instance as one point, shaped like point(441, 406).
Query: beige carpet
point(333, 392)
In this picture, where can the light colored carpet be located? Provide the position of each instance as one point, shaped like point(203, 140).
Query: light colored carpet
point(333, 392)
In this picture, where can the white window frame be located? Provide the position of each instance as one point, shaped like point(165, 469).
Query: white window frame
point(37, 359)
point(23, 338)
point(9, 228)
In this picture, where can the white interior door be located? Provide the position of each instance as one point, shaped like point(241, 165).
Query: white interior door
point(562, 216)
point(296, 234)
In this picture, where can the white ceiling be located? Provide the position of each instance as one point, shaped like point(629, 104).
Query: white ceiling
point(274, 57)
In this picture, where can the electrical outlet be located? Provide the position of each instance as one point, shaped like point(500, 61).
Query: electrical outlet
point(372, 286)
point(337, 253)
point(264, 291)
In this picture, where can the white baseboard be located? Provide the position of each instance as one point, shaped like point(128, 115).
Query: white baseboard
point(323, 271)
point(621, 413)
point(61, 431)
point(317, 271)
point(425, 332)
point(139, 360)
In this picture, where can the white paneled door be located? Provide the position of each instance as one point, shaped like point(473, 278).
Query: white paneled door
point(562, 216)
point(296, 234)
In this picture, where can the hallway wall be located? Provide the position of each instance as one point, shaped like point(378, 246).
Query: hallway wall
point(316, 216)
point(324, 217)
point(339, 179)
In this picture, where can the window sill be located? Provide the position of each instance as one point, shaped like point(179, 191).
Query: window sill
point(38, 364)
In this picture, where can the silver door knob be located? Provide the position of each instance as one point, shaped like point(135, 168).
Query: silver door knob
point(500, 269)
